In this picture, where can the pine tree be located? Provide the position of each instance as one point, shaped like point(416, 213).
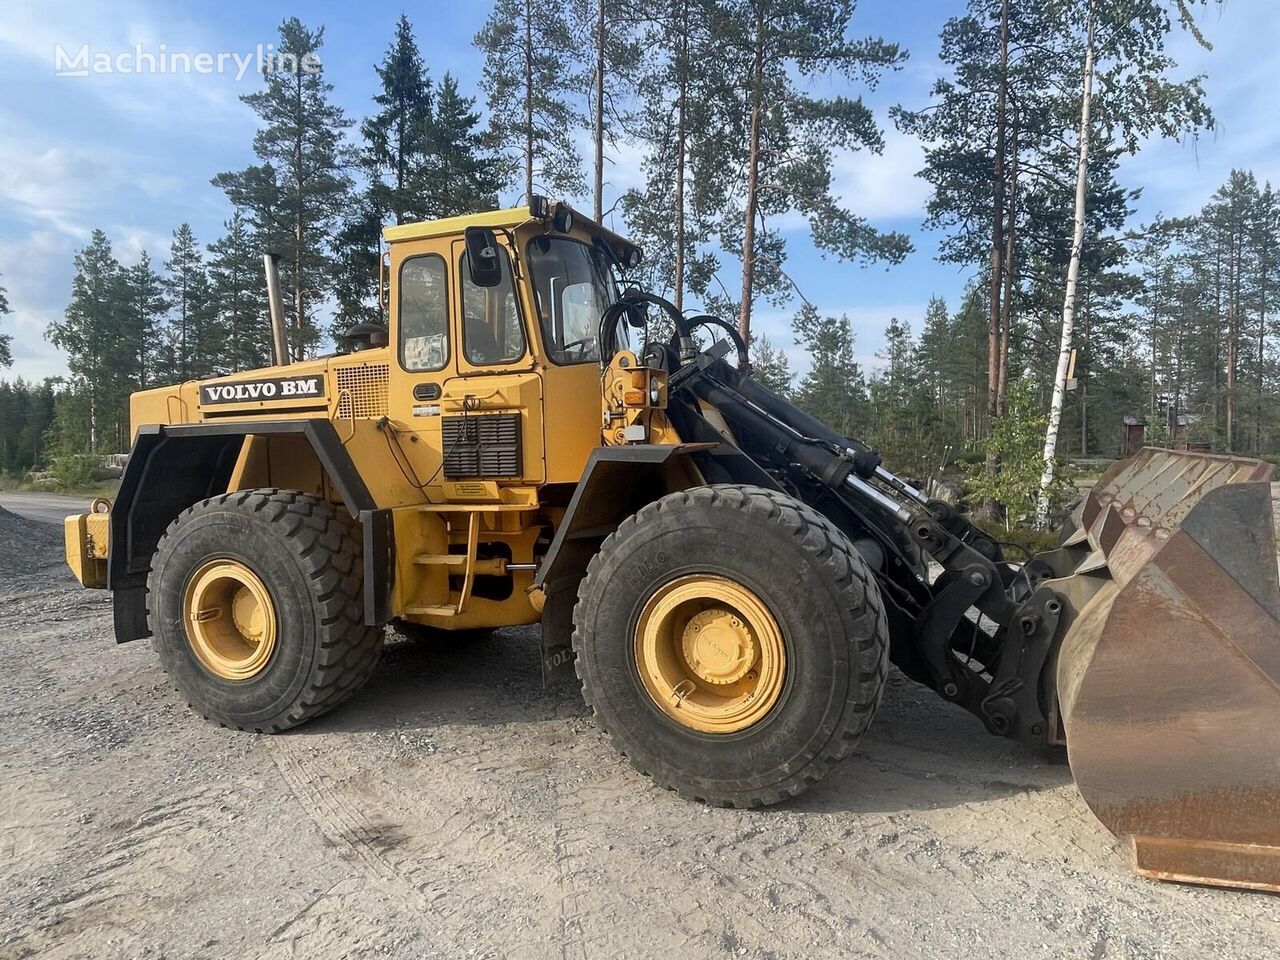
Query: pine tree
point(785, 136)
point(460, 175)
point(607, 27)
point(6, 355)
point(991, 132)
point(295, 195)
point(26, 410)
point(833, 389)
point(143, 306)
point(396, 138)
point(905, 420)
point(89, 333)
point(770, 367)
point(530, 83)
point(356, 248)
point(192, 342)
point(238, 294)
point(685, 120)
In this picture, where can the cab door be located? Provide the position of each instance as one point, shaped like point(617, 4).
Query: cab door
point(469, 391)
point(424, 348)
point(495, 376)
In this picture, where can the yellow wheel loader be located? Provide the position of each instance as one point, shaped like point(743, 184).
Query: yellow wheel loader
point(728, 577)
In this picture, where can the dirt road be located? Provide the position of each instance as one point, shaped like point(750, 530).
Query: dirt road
point(457, 810)
point(49, 507)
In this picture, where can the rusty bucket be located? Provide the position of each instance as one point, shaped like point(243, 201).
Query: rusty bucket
point(1168, 678)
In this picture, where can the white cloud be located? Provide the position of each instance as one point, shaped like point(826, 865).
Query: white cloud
point(69, 187)
point(169, 101)
point(884, 185)
point(36, 271)
point(1177, 178)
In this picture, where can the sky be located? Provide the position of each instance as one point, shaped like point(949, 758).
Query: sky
point(133, 154)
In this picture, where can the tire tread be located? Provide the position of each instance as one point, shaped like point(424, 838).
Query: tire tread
point(326, 541)
point(822, 540)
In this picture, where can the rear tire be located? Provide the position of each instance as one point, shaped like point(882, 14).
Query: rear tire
point(302, 559)
point(751, 544)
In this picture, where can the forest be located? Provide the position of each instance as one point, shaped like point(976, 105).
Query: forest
point(1168, 323)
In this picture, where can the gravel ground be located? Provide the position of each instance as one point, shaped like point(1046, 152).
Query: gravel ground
point(455, 809)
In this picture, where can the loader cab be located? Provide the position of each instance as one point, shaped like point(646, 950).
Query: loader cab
point(496, 315)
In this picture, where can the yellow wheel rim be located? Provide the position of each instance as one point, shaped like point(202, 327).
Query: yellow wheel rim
point(710, 654)
point(230, 620)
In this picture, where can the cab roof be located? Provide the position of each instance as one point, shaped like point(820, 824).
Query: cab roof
point(509, 218)
point(426, 229)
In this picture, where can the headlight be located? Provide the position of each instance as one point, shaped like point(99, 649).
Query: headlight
point(655, 391)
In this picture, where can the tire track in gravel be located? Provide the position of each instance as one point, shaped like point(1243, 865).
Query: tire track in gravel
point(155, 848)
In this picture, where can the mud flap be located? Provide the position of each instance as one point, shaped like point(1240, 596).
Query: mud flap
point(1168, 680)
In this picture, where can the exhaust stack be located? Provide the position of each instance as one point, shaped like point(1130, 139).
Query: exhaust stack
point(280, 344)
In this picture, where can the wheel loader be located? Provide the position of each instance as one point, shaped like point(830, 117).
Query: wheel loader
point(533, 439)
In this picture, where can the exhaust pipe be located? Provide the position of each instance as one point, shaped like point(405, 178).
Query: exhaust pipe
point(279, 342)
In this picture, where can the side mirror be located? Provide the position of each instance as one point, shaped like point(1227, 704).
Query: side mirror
point(483, 260)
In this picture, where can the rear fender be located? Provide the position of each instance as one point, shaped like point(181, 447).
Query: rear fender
point(172, 467)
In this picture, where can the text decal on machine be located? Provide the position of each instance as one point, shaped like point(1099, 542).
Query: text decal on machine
point(282, 388)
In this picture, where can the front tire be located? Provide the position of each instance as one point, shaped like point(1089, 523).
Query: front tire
point(732, 643)
point(256, 609)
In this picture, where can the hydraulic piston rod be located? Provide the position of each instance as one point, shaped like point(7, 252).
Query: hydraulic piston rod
point(878, 496)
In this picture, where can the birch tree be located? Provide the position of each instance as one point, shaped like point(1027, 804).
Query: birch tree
point(1123, 54)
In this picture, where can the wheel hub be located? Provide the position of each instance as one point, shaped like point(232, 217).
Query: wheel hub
point(710, 654)
point(230, 620)
point(718, 646)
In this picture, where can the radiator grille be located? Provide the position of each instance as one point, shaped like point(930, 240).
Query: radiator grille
point(482, 446)
point(363, 390)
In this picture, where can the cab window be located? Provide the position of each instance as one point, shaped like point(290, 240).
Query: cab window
point(424, 313)
point(491, 328)
point(573, 285)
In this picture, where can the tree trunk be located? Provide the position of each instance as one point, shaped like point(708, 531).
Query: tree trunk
point(1233, 269)
point(299, 228)
point(528, 101)
point(1155, 321)
point(599, 113)
point(682, 86)
point(1073, 277)
point(989, 508)
point(1217, 332)
point(997, 230)
point(753, 176)
point(1233, 349)
point(1263, 254)
point(1010, 237)
point(398, 210)
point(1082, 365)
